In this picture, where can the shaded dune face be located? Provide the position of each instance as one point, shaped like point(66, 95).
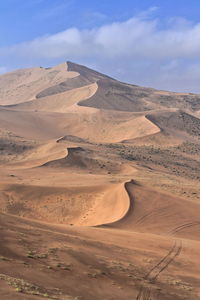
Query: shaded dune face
point(113, 95)
point(59, 102)
point(24, 85)
point(117, 161)
point(180, 121)
point(156, 212)
point(85, 77)
point(86, 160)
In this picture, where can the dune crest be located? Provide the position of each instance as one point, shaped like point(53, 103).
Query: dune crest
point(24, 85)
point(59, 102)
point(99, 185)
point(85, 206)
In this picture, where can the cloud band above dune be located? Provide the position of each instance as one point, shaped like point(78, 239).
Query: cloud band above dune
point(138, 37)
point(141, 50)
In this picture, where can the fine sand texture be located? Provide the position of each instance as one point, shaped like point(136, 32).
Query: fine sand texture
point(99, 188)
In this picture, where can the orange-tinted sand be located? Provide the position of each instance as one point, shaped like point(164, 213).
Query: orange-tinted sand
point(81, 217)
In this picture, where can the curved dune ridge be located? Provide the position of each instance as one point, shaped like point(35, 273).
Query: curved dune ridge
point(86, 206)
point(113, 126)
point(127, 206)
point(87, 160)
point(86, 123)
point(40, 155)
point(175, 127)
point(161, 213)
point(77, 157)
point(106, 127)
point(23, 85)
point(59, 102)
point(71, 139)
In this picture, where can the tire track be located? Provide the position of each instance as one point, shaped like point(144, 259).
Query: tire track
point(163, 264)
point(150, 214)
point(184, 226)
point(146, 293)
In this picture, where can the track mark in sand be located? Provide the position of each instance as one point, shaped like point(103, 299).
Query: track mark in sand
point(184, 226)
point(150, 214)
point(146, 293)
point(165, 261)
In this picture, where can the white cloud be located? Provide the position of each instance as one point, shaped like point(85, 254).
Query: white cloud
point(158, 54)
point(135, 37)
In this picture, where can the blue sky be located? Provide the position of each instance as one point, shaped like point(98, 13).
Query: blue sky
point(151, 43)
point(22, 20)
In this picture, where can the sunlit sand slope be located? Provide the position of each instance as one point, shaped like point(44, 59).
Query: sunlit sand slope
point(24, 85)
point(99, 188)
point(156, 212)
point(59, 102)
point(87, 205)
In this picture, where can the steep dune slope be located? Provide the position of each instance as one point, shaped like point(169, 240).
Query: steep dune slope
point(29, 124)
point(72, 143)
point(155, 212)
point(84, 159)
point(86, 77)
point(180, 121)
point(107, 127)
point(176, 127)
point(91, 125)
point(114, 95)
point(38, 155)
point(28, 84)
point(59, 102)
point(23, 85)
point(87, 205)
point(87, 160)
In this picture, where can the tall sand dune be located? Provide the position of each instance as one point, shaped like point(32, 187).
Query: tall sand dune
point(99, 188)
point(24, 85)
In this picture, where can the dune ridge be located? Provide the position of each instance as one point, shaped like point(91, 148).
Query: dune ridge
point(90, 207)
point(99, 188)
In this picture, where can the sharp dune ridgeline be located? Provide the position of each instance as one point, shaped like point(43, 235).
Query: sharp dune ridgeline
point(99, 188)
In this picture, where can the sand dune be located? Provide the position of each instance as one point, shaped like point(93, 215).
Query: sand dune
point(59, 102)
point(175, 126)
point(99, 185)
point(86, 160)
point(111, 127)
point(29, 125)
point(87, 205)
point(85, 77)
point(180, 121)
point(156, 212)
point(107, 127)
point(39, 155)
point(24, 85)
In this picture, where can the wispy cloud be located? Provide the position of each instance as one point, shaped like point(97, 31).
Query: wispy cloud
point(150, 12)
point(134, 38)
point(139, 42)
point(59, 8)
